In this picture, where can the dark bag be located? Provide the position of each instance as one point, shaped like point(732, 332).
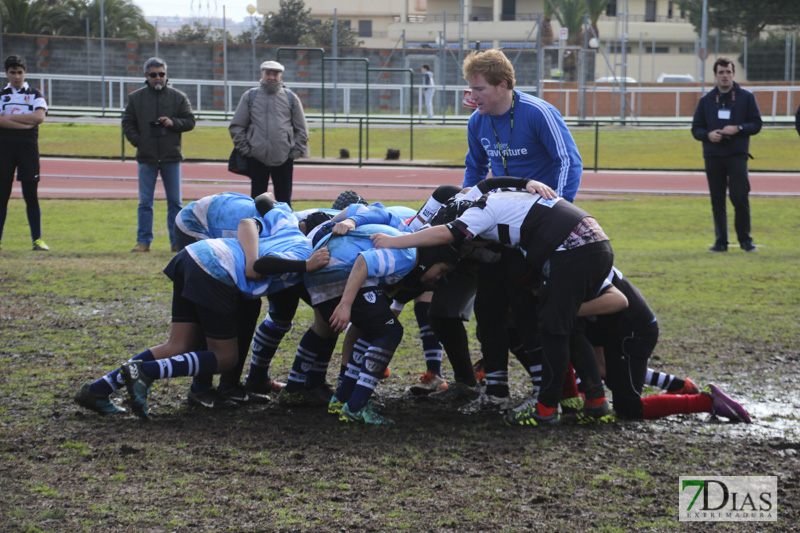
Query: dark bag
point(237, 163)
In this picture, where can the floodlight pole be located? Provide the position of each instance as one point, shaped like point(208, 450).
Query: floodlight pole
point(703, 46)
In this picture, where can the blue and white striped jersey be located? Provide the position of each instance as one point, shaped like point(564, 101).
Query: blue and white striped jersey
point(216, 216)
point(384, 266)
point(224, 259)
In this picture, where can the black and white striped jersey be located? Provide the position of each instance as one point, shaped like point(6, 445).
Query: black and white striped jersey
point(520, 220)
point(25, 101)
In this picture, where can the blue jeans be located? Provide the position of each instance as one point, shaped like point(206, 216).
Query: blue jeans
point(171, 178)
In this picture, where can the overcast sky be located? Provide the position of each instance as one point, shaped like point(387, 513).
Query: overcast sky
point(234, 9)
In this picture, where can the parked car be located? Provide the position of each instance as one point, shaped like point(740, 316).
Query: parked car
point(675, 78)
point(614, 79)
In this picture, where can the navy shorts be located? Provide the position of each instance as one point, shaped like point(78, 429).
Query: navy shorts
point(371, 312)
point(199, 298)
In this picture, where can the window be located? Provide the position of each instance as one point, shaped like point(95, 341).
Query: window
point(611, 8)
point(650, 11)
point(365, 28)
point(616, 48)
point(509, 10)
point(686, 49)
point(658, 49)
point(669, 10)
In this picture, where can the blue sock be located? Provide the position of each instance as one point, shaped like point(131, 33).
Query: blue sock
point(266, 340)
point(349, 378)
point(319, 370)
point(188, 364)
point(377, 358)
point(112, 381)
point(431, 346)
point(304, 359)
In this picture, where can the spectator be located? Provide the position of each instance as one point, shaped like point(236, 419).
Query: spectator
point(427, 82)
point(23, 109)
point(153, 121)
point(269, 128)
point(724, 120)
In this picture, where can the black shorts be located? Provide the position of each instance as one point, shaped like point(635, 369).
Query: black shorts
point(371, 312)
point(20, 157)
point(199, 298)
point(574, 277)
point(456, 298)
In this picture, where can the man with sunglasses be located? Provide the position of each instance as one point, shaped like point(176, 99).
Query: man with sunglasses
point(153, 121)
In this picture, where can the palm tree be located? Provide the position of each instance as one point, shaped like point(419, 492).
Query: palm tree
point(546, 31)
point(595, 8)
point(123, 19)
point(24, 16)
point(569, 14)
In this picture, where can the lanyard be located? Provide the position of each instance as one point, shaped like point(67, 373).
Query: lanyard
point(733, 98)
point(504, 153)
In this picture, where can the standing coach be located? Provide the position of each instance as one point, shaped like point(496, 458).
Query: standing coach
point(724, 120)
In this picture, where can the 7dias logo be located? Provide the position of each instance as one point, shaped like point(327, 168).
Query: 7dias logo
point(728, 499)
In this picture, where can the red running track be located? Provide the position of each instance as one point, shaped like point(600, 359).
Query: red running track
point(80, 178)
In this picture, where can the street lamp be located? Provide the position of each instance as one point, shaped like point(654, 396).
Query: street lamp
point(252, 10)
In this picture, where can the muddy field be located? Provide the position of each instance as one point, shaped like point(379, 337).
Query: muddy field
point(269, 468)
point(73, 315)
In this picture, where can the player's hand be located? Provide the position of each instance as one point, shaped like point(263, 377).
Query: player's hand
point(381, 240)
point(318, 260)
point(715, 136)
point(341, 228)
point(340, 317)
point(537, 187)
point(251, 274)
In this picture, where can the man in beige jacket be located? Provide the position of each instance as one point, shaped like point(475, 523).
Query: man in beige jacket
point(269, 128)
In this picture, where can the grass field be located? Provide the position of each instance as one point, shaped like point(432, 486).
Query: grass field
point(658, 148)
point(72, 314)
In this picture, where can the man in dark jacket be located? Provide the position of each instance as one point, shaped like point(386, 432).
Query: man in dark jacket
point(797, 120)
point(724, 120)
point(153, 121)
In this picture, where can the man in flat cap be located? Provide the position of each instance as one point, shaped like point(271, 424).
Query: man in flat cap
point(269, 128)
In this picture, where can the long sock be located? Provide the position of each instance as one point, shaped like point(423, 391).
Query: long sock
point(113, 380)
point(319, 370)
point(453, 336)
point(497, 383)
point(307, 352)
point(247, 314)
point(376, 360)
point(662, 380)
point(188, 364)
point(266, 340)
point(570, 387)
point(431, 346)
point(349, 378)
point(662, 405)
point(584, 360)
point(29, 192)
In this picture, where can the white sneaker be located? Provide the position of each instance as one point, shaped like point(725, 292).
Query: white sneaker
point(428, 383)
